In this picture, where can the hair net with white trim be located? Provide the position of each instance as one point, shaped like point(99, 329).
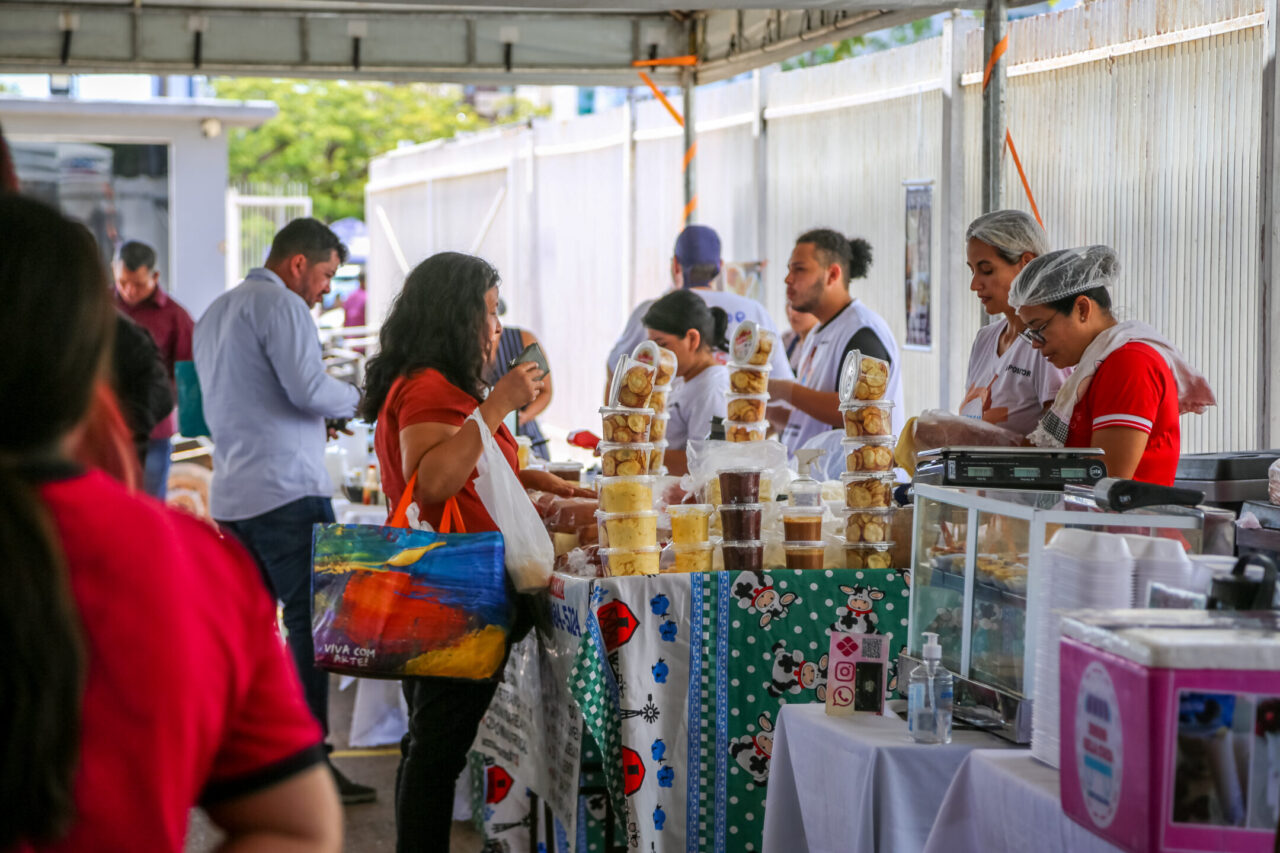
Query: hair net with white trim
point(1010, 232)
point(1065, 272)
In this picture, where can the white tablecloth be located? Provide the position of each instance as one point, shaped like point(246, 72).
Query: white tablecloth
point(856, 784)
point(1001, 800)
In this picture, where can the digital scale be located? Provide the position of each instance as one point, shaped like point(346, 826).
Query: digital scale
point(1042, 468)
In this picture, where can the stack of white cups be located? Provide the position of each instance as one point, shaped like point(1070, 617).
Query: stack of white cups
point(1081, 570)
point(1157, 559)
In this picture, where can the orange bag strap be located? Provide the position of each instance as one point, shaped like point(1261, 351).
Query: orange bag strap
point(450, 521)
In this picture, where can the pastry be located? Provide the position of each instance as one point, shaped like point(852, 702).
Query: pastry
point(746, 409)
point(869, 457)
point(624, 427)
point(865, 492)
point(749, 380)
point(627, 460)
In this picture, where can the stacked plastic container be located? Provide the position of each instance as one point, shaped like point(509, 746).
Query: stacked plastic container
point(869, 465)
point(664, 361)
point(748, 394)
point(628, 526)
point(691, 543)
point(741, 514)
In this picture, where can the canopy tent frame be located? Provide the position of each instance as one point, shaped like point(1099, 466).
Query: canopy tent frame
point(467, 41)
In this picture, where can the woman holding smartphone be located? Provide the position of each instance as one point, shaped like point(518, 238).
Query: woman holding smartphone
point(422, 388)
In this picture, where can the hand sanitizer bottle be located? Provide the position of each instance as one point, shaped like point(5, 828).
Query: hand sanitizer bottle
point(806, 491)
point(929, 697)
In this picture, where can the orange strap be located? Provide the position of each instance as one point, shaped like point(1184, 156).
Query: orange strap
point(1026, 185)
point(648, 81)
point(1000, 48)
point(996, 53)
point(678, 61)
point(688, 209)
point(450, 520)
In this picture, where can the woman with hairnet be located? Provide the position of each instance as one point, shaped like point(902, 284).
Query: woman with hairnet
point(1130, 384)
point(1008, 385)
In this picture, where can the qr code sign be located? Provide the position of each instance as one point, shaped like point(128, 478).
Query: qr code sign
point(872, 648)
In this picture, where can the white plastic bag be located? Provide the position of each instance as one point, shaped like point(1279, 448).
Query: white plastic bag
point(530, 556)
point(1273, 482)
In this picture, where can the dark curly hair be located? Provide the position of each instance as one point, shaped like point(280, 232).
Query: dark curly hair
point(853, 253)
point(681, 310)
point(437, 321)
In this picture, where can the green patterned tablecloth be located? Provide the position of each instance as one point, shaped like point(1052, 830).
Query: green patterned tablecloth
point(679, 679)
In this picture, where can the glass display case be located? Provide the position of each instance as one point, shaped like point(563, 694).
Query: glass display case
point(976, 562)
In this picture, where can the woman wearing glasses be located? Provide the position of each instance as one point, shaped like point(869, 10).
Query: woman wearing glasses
point(1130, 384)
point(1009, 385)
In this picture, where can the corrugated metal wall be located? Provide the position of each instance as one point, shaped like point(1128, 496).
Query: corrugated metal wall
point(843, 167)
point(1155, 152)
point(1138, 122)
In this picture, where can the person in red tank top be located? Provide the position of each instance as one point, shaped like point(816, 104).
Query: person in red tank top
point(144, 673)
point(1124, 396)
point(421, 388)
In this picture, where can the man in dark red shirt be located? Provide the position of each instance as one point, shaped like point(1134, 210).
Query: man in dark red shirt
point(139, 296)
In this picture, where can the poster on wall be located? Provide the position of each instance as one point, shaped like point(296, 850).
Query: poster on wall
point(919, 272)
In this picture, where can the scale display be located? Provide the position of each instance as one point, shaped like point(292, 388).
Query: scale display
point(1011, 467)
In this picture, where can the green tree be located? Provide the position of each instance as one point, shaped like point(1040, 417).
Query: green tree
point(869, 43)
point(327, 131)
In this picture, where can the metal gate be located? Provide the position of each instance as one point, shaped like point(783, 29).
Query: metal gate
point(254, 215)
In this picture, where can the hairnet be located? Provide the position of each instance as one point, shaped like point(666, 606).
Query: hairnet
point(1009, 232)
point(1065, 272)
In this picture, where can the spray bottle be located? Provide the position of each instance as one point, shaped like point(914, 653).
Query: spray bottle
point(806, 491)
point(929, 697)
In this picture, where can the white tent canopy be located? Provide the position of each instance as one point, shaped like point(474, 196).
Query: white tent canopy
point(467, 41)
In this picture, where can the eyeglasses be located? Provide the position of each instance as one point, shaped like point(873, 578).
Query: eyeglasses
point(1036, 336)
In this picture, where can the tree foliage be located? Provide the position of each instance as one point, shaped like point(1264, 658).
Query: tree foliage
point(869, 43)
point(327, 131)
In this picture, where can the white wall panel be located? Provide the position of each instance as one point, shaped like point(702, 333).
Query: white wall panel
point(844, 168)
point(1154, 152)
point(1138, 122)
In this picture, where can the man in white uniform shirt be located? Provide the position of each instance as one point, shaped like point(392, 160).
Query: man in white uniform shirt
point(818, 275)
point(694, 266)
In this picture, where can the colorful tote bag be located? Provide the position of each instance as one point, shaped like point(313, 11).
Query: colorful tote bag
point(391, 601)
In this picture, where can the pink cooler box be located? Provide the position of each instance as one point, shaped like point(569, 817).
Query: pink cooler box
point(1171, 728)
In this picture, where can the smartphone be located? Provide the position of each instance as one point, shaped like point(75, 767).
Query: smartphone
point(533, 353)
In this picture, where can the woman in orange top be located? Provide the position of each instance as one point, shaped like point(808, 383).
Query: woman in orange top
point(422, 388)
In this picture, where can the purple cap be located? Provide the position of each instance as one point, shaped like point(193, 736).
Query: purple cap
point(698, 245)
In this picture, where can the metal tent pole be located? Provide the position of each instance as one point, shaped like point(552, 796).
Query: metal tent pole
point(687, 80)
point(995, 29)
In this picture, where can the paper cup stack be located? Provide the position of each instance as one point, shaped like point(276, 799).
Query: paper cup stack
point(748, 394)
point(627, 523)
point(1080, 570)
point(869, 477)
point(664, 364)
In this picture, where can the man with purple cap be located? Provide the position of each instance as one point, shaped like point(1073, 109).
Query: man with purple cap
point(694, 266)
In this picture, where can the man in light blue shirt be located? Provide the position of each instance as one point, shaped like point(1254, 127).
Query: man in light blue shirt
point(266, 397)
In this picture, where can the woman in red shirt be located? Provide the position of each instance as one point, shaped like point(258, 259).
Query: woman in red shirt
point(1130, 384)
point(143, 672)
point(421, 389)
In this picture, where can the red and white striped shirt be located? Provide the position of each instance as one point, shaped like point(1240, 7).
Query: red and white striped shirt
point(1134, 389)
